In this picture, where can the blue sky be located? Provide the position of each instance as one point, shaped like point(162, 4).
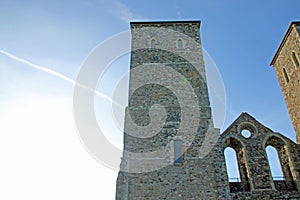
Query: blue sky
point(37, 127)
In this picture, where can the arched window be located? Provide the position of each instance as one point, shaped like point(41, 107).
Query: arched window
point(179, 44)
point(178, 152)
point(274, 162)
point(153, 43)
point(232, 165)
point(286, 76)
point(280, 164)
point(237, 170)
point(295, 59)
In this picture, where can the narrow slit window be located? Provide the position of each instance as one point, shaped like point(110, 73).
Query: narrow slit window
point(286, 76)
point(178, 157)
point(180, 45)
point(295, 59)
point(153, 43)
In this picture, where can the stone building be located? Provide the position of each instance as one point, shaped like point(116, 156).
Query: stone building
point(183, 157)
point(287, 66)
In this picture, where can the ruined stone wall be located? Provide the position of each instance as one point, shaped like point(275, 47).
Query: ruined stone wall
point(207, 178)
point(290, 83)
point(155, 46)
point(256, 181)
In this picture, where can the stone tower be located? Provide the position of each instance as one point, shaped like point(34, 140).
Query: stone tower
point(286, 63)
point(171, 148)
point(162, 160)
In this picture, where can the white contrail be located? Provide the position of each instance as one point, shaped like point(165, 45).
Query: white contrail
point(38, 67)
point(57, 74)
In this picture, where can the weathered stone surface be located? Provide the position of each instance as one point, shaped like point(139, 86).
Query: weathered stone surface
point(202, 173)
point(256, 179)
point(288, 73)
point(194, 177)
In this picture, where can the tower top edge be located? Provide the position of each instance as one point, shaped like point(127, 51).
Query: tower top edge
point(293, 24)
point(168, 22)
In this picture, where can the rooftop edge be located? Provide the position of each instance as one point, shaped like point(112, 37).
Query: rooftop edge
point(284, 40)
point(166, 22)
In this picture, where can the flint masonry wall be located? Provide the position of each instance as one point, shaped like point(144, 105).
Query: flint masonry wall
point(286, 64)
point(256, 179)
point(176, 45)
point(155, 44)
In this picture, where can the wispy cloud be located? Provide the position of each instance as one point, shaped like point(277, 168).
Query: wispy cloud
point(125, 13)
point(179, 14)
point(177, 7)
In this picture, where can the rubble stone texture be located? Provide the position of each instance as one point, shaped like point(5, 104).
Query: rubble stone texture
point(286, 63)
point(154, 44)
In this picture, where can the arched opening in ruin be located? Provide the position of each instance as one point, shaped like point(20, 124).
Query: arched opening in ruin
point(286, 180)
point(241, 183)
point(274, 162)
point(232, 165)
